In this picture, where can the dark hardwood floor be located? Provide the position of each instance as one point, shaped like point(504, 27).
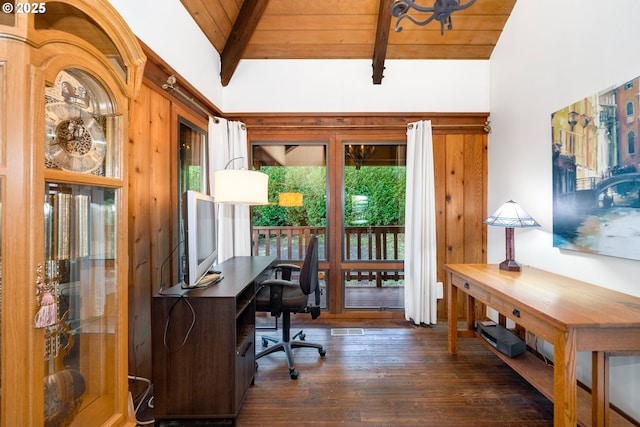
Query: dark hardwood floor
point(395, 374)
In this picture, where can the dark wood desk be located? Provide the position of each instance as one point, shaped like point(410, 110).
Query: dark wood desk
point(572, 315)
point(203, 343)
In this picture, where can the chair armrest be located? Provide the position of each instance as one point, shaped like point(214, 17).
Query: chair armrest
point(276, 289)
point(289, 266)
point(278, 282)
point(286, 270)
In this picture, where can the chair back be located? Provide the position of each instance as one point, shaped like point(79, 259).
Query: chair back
point(309, 270)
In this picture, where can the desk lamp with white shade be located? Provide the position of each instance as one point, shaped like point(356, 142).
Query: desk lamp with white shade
point(510, 215)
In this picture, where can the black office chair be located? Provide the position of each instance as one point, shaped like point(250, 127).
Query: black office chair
point(283, 297)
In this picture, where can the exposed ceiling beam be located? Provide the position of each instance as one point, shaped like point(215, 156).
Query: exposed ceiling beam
point(246, 23)
point(382, 40)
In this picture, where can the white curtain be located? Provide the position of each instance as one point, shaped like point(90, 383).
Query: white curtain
point(420, 287)
point(228, 149)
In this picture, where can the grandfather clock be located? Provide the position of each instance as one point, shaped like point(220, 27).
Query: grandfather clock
point(69, 70)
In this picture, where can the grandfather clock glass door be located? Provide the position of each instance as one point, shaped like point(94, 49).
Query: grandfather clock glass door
point(78, 296)
point(68, 75)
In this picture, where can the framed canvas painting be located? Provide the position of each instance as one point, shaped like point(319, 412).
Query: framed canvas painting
point(596, 173)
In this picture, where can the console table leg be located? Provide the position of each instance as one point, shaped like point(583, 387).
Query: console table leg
point(565, 389)
point(471, 313)
point(452, 316)
point(600, 389)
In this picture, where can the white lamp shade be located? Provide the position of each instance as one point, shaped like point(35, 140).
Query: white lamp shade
point(241, 187)
point(511, 215)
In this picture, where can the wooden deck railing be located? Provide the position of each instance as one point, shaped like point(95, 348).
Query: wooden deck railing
point(375, 243)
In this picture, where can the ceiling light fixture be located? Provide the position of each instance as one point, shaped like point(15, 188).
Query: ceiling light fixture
point(442, 10)
point(359, 154)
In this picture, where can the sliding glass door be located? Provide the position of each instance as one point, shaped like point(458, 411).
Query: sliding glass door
point(373, 225)
point(350, 192)
point(297, 202)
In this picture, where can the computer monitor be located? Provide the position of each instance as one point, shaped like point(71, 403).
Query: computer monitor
point(200, 236)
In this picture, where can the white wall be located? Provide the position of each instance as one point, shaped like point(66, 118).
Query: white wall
point(347, 86)
point(551, 54)
point(166, 27)
point(304, 86)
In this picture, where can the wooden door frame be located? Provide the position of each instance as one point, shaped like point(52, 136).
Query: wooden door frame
point(338, 262)
point(460, 143)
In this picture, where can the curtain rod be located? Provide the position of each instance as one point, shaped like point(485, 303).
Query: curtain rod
point(169, 85)
point(485, 126)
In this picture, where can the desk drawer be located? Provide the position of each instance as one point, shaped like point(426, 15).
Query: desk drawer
point(517, 314)
point(469, 288)
point(245, 367)
point(522, 317)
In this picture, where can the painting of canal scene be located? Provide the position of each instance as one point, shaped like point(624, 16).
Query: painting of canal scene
point(596, 173)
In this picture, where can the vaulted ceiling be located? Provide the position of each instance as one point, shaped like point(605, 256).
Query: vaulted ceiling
point(342, 29)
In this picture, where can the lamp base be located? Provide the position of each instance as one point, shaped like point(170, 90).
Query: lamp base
point(510, 265)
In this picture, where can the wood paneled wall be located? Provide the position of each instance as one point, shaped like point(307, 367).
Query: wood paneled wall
point(150, 230)
point(460, 167)
point(153, 200)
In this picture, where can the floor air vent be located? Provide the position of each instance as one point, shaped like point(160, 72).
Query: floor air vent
point(346, 332)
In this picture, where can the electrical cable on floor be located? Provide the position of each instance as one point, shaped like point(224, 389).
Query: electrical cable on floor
point(144, 395)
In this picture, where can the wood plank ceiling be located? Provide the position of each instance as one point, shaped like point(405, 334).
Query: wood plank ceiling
point(342, 29)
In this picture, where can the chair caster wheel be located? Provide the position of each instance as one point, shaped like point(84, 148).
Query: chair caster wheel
point(322, 352)
point(302, 337)
point(264, 343)
point(293, 373)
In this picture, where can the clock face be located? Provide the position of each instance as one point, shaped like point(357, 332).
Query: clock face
point(74, 136)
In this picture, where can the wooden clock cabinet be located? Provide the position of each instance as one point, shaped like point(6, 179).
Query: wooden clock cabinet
point(69, 70)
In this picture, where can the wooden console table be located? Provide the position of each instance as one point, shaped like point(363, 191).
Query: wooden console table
point(572, 315)
point(203, 343)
